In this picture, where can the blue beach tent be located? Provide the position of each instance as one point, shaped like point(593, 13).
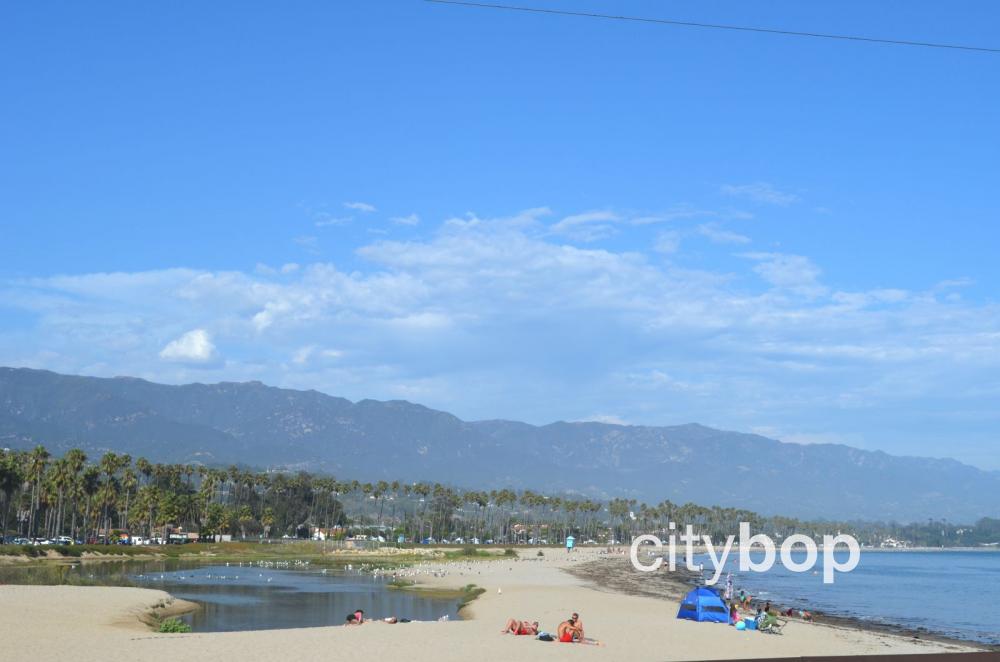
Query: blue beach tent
point(704, 604)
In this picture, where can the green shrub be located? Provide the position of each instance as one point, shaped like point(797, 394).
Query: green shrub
point(510, 552)
point(173, 625)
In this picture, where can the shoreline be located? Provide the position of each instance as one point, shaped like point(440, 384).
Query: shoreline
point(46, 621)
point(665, 585)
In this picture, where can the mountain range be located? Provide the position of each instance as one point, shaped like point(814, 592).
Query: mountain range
point(262, 426)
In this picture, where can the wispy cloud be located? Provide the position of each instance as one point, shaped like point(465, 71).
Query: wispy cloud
point(720, 236)
point(410, 219)
point(677, 213)
point(362, 207)
point(668, 243)
point(588, 226)
point(761, 192)
point(326, 220)
point(308, 242)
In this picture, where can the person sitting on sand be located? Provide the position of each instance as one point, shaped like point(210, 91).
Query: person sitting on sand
point(351, 620)
point(734, 614)
point(567, 631)
point(517, 627)
point(578, 627)
point(767, 620)
point(359, 616)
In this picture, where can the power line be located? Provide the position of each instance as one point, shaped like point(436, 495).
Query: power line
point(715, 26)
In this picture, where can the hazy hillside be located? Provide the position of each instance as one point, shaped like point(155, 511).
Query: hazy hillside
point(259, 425)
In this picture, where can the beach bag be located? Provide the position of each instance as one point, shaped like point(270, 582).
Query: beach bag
point(545, 636)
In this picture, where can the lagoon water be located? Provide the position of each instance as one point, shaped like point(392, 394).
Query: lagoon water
point(255, 598)
point(251, 598)
point(952, 593)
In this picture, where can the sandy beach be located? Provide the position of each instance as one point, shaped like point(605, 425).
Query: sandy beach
point(44, 623)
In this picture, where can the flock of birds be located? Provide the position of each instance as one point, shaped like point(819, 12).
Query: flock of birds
point(374, 570)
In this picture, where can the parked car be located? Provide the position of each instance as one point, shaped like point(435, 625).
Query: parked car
point(63, 540)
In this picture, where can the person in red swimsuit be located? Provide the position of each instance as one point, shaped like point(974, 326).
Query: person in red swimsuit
point(568, 631)
point(517, 627)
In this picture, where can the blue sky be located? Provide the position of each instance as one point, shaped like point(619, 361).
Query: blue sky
point(517, 216)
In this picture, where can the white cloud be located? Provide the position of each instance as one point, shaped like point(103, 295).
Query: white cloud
point(411, 219)
point(610, 419)
point(720, 236)
point(362, 207)
point(194, 347)
point(761, 192)
point(490, 317)
point(312, 353)
point(794, 273)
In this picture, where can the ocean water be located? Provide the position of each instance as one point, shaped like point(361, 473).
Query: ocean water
point(953, 593)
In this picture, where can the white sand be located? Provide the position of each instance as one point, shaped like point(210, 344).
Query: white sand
point(49, 623)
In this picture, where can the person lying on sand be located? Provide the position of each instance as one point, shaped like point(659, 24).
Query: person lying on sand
point(352, 620)
point(517, 627)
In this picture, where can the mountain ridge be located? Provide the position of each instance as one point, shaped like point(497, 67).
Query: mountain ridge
point(252, 423)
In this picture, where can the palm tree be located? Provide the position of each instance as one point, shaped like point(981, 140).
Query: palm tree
point(37, 460)
point(11, 480)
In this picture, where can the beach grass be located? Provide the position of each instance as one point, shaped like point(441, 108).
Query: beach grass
point(173, 625)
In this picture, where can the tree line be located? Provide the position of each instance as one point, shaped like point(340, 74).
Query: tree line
point(46, 497)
